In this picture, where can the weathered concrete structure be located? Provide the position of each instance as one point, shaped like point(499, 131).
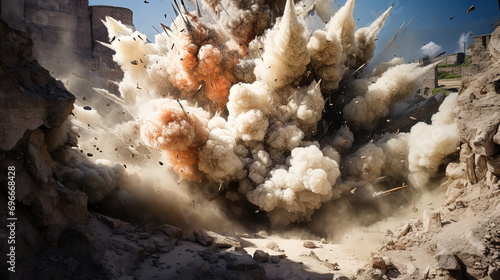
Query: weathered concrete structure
point(429, 83)
point(480, 55)
point(452, 59)
point(101, 55)
point(65, 35)
point(479, 47)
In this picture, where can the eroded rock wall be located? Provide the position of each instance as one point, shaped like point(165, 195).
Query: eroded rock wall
point(31, 103)
point(479, 115)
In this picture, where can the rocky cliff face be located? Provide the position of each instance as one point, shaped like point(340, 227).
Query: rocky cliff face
point(66, 31)
point(479, 114)
point(31, 103)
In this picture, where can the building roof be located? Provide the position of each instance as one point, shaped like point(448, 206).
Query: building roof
point(484, 35)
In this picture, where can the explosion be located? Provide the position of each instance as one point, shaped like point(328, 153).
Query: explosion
point(264, 108)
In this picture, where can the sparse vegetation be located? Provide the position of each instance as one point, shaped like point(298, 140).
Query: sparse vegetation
point(467, 61)
point(446, 75)
point(447, 65)
point(443, 90)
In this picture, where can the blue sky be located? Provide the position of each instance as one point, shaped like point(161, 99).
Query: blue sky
point(431, 22)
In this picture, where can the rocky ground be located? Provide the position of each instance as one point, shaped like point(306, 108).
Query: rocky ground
point(452, 234)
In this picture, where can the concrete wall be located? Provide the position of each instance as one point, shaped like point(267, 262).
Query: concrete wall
point(452, 59)
point(455, 70)
point(429, 83)
point(479, 48)
point(103, 55)
point(64, 34)
point(13, 13)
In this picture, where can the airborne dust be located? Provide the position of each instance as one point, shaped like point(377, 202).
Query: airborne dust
point(240, 103)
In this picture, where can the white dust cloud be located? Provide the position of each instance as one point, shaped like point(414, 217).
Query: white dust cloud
point(285, 51)
point(395, 84)
point(241, 19)
point(412, 157)
point(431, 49)
point(238, 98)
point(430, 144)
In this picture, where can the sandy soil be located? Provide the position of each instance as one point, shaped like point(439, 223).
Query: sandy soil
point(450, 83)
point(351, 253)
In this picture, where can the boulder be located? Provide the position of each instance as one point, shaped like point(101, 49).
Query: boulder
point(378, 262)
point(447, 261)
point(261, 256)
point(274, 259)
point(431, 220)
point(309, 244)
point(273, 246)
point(339, 276)
point(224, 241)
point(241, 261)
point(455, 170)
point(206, 238)
point(171, 231)
point(203, 237)
point(402, 230)
point(115, 224)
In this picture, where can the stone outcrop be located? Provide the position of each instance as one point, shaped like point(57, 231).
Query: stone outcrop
point(69, 30)
point(479, 114)
point(30, 97)
point(32, 103)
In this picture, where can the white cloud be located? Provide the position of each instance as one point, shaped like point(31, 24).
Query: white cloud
point(464, 37)
point(430, 49)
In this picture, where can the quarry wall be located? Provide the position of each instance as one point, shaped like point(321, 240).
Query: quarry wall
point(429, 83)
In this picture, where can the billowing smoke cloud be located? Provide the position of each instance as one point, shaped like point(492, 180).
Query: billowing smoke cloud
point(365, 41)
point(132, 52)
point(98, 179)
point(241, 99)
point(294, 192)
point(179, 130)
point(330, 47)
point(244, 20)
point(286, 54)
point(324, 9)
point(222, 159)
point(430, 144)
point(395, 84)
point(412, 157)
point(201, 56)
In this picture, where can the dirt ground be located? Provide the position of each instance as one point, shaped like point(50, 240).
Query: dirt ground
point(450, 83)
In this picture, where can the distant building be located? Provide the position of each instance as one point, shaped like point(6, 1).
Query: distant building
point(479, 44)
point(429, 83)
point(480, 54)
point(452, 59)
